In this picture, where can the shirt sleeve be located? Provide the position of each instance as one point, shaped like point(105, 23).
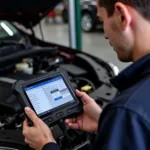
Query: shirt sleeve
point(51, 146)
point(122, 129)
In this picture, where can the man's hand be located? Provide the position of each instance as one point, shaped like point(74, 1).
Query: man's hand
point(88, 120)
point(39, 134)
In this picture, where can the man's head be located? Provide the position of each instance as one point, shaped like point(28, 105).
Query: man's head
point(127, 26)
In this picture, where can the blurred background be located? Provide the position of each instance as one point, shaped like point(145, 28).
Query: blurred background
point(56, 29)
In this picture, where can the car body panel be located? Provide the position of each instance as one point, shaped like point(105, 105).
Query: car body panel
point(87, 7)
point(26, 12)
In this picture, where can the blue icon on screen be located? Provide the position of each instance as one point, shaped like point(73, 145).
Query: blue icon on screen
point(58, 98)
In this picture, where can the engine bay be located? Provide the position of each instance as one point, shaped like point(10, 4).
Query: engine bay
point(86, 73)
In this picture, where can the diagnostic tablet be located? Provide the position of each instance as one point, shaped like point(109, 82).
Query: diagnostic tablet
point(51, 96)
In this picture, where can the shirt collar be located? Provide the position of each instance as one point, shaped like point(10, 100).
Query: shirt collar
point(135, 72)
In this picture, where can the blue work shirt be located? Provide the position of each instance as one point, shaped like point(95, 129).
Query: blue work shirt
point(125, 122)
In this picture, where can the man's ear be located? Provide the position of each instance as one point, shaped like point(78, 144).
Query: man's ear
point(122, 16)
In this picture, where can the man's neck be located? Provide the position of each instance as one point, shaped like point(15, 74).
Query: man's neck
point(142, 42)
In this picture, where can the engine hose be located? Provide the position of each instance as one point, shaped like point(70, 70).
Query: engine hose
point(52, 51)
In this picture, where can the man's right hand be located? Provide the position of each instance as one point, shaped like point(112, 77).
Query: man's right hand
point(88, 120)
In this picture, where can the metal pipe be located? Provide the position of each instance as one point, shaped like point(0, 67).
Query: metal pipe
point(72, 24)
point(78, 25)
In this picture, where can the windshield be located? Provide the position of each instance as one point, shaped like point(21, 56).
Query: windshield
point(8, 31)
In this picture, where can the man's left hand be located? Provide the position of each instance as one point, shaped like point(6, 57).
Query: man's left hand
point(39, 134)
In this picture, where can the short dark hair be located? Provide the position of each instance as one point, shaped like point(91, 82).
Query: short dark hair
point(142, 6)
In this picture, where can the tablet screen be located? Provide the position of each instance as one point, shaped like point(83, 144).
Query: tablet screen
point(48, 95)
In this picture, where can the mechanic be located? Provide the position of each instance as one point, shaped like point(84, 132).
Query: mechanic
point(124, 123)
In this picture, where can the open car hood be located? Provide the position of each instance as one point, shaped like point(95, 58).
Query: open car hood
point(26, 12)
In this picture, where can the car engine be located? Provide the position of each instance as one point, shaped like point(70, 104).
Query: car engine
point(24, 61)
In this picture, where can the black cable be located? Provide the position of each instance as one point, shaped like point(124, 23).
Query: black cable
point(50, 51)
point(62, 126)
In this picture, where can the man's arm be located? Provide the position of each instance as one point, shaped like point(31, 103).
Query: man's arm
point(38, 135)
point(122, 129)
